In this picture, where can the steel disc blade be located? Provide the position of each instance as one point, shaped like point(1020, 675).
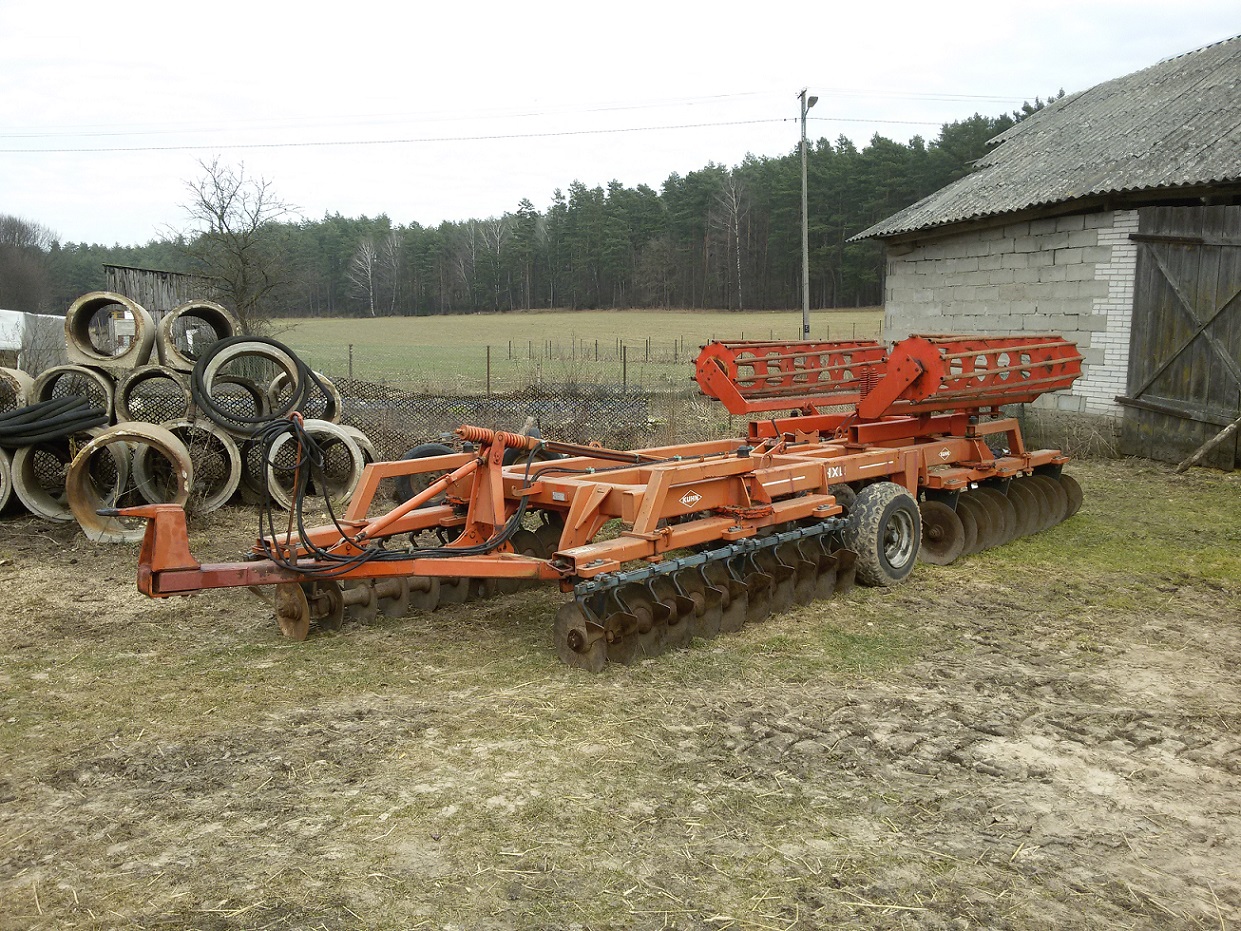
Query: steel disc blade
point(454, 591)
point(1026, 505)
point(648, 633)
point(1002, 509)
point(707, 603)
point(674, 631)
point(327, 604)
point(1057, 500)
point(424, 593)
point(846, 570)
point(292, 611)
point(782, 580)
point(363, 606)
point(394, 603)
point(621, 635)
point(825, 576)
point(1073, 491)
point(736, 605)
point(577, 644)
point(987, 524)
point(805, 572)
point(943, 536)
point(759, 586)
point(968, 512)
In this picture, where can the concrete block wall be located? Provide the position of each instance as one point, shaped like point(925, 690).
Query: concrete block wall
point(1070, 275)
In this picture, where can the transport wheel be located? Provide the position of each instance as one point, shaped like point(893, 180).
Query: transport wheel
point(548, 534)
point(292, 611)
point(1073, 491)
point(844, 495)
point(409, 485)
point(576, 645)
point(885, 531)
point(943, 534)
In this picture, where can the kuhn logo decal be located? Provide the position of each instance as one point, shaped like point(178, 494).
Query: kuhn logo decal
point(690, 498)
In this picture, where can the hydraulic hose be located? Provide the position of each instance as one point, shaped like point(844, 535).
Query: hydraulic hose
point(48, 421)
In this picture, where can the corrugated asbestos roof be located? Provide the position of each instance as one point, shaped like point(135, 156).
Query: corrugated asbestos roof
point(1174, 124)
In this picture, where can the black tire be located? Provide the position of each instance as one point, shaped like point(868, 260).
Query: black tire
point(885, 530)
point(844, 495)
point(409, 485)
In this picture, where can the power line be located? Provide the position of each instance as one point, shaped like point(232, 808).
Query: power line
point(325, 143)
point(379, 119)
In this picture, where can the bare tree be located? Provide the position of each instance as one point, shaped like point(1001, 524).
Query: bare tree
point(732, 204)
point(25, 275)
point(390, 263)
point(235, 238)
point(361, 271)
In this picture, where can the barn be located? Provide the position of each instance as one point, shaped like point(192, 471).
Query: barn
point(1112, 217)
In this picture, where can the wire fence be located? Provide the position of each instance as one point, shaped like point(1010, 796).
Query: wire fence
point(503, 365)
point(395, 420)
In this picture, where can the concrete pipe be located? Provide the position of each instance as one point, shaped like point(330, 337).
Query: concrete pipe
point(322, 400)
point(108, 330)
point(363, 441)
point(66, 381)
point(83, 493)
point(152, 394)
point(248, 354)
point(216, 465)
point(6, 479)
point(16, 389)
point(41, 474)
point(190, 329)
point(342, 464)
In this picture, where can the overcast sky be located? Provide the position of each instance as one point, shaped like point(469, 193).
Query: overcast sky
point(461, 109)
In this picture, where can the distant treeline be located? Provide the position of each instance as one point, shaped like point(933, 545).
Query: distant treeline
point(719, 237)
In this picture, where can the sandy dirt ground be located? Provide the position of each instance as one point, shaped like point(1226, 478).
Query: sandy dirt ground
point(1046, 735)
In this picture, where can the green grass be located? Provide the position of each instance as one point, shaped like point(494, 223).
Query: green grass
point(545, 346)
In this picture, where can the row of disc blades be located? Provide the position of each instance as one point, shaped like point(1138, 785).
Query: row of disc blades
point(326, 604)
point(647, 618)
point(993, 514)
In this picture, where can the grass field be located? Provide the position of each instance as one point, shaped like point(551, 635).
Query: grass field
point(646, 348)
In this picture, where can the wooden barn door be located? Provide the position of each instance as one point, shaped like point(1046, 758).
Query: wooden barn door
point(1185, 350)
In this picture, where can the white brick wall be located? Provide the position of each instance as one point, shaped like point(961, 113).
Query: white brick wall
point(1069, 275)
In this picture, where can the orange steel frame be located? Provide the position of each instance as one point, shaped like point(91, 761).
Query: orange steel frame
point(672, 497)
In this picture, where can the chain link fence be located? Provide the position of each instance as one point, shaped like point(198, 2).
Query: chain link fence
point(396, 420)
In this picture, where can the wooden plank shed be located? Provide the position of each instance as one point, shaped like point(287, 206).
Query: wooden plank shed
point(1113, 217)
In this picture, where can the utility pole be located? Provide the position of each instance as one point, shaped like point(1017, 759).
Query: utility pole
point(806, 104)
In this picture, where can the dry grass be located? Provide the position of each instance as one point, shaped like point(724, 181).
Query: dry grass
point(1044, 735)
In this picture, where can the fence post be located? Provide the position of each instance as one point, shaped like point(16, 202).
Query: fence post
point(624, 367)
point(351, 361)
point(488, 370)
point(596, 350)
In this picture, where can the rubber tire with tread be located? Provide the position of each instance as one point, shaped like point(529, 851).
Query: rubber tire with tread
point(884, 521)
point(405, 484)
